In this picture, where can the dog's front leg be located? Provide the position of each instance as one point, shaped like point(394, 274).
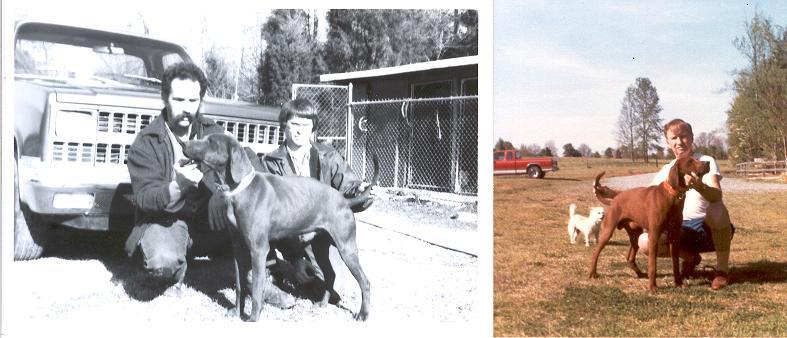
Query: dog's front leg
point(653, 249)
point(259, 273)
point(674, 238)
point(242, 266)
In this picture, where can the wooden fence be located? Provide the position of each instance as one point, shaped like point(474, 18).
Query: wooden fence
point(761, 168)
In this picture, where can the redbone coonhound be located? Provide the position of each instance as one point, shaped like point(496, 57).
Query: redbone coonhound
point(265, 207)
point(658, 208)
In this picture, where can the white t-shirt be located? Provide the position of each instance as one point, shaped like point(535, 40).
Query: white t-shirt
point(695, 204)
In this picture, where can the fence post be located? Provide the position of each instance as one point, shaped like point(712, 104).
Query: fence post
point(350, 121)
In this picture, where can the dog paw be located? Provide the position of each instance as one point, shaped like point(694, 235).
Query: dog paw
point(592, 275)
point(361, 317)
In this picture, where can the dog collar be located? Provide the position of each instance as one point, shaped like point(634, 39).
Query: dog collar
point(671, 191)
point(242, 185)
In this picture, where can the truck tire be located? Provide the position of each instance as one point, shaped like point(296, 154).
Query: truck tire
point(534, 171)
point(30, 234)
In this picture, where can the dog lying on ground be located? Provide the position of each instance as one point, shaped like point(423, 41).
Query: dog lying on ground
point(588, 226)
point(265, 207)
point(657, 208)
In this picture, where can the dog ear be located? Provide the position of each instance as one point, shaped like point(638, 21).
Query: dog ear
point(675, 178)
point(239, 164)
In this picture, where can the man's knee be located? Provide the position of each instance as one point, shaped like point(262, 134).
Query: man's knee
point(164, 251)
point(717, 216)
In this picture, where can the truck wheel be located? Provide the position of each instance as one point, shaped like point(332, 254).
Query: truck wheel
point(30, 234)
point(534, 172)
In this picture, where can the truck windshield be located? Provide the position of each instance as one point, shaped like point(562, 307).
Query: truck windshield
point(97, 66)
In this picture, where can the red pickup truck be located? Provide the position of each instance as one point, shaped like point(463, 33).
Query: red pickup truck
point(512, 162)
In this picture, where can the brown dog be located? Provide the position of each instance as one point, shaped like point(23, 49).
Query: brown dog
point(659, 208)
point(267, 207)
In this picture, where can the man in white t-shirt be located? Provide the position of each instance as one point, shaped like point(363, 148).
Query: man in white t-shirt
point(703, 209)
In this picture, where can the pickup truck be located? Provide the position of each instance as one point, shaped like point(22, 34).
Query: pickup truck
point(512, 162)
point(81, 95)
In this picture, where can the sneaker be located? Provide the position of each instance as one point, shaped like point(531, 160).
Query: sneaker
point(720, 281)
point(688, 266)
point(278, 298)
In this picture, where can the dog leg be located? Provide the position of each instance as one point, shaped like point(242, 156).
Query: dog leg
point(653, 249)
point(321, 248)
point(259, 276)
point(242, 267)
point(631, 257)
point(348, 249)
point(674, 238)
point(572, 236)
point(605, 234)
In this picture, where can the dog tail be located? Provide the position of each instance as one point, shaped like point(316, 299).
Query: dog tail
point(603, 193)
point(362, 196)
point(571, 210)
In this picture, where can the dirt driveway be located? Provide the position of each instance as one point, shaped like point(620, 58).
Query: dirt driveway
point(86, 278)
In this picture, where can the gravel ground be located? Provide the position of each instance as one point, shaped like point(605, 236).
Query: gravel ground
point(87, 279)
point(727, 183)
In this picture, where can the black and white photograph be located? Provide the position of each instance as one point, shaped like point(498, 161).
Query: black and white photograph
point(295, 170)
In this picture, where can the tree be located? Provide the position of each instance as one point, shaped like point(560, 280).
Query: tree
point(464, 40)
point(546, 152)
point(639, 124)
point(585, 150)
point(550, 145)
point(221, 81)
point(503, 145)
point(362, 39)
point(711, 144)
point(608, 153)
point(293, 54)
point(569, 151)
point(757, 119)
point(596, 154)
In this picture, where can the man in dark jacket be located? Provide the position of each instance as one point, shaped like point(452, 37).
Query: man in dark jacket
point(300, 156)
point(171, 201)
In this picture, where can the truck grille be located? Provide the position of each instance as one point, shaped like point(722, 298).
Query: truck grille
point(101, 153)
point(116, 130)
point(253, 132)
point(124, 123)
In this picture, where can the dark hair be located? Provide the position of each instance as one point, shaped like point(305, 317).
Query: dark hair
point(182, 71)
point(678, 123)
point(298, 108)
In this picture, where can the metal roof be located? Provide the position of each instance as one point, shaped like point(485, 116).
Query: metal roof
point(413, 67)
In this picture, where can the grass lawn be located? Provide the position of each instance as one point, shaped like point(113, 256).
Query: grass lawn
point(540, 280)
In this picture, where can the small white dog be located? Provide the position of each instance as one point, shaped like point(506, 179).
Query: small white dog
point(588, 226)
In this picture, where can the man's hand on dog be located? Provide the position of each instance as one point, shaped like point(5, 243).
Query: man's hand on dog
point(187, 176)
point(693, 181)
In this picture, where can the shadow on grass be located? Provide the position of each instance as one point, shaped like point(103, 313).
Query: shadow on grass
point(760, 272)
point(208, 276)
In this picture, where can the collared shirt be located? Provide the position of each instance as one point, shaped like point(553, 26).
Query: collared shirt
point(300, 159)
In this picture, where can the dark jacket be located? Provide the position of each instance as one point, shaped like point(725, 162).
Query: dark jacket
point(150, 166)
point(325, 163)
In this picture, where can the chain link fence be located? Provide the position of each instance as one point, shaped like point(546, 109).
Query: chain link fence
point(331, 102)
point(427, 144)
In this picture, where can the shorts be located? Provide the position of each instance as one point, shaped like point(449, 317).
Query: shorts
point(695, 236)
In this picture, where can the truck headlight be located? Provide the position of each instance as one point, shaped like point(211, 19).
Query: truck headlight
point(75, 123)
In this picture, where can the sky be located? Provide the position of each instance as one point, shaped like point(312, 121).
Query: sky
point(561, 68)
